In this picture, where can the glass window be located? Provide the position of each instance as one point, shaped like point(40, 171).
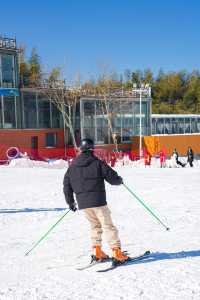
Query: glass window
point(77, 122)
point(7, 70)
point(127, 133)
point(180, 125)
point(44, 112)
point(127, 126)
point(89, 133)
point(114, 106)
point(144, 108)
point(126, 107)
point(100, 108)
point(187, 125)
point(167, 126)
point(193, 125)
point(89, 121)
point(9, 112)
point(51, 140)
point(198, 124)
point(57, 121)
point(124, 116)
point(102, 135)
point(116, 121)
point(136, 107)
point(160, 126)
point(1, 113)
point(30, 110)
point(153, 124)
point(89, 108)
point(101, 122)
point(127, 121)
point(89, 111)
point(174, 124)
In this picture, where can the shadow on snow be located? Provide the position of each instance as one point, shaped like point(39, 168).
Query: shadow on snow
point(29, 210)
point(158, 256)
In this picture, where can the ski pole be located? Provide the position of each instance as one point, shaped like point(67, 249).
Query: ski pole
point(43, 237)
point(149, 210)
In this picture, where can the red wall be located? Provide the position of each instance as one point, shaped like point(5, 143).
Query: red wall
point(22, 140)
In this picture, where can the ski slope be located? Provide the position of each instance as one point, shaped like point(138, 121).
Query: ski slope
point(31, 199)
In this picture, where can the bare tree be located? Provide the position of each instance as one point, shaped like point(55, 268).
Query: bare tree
point(110, 92)
point(108, 88)
point(63, 98)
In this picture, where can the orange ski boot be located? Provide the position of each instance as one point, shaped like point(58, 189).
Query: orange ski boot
point(118, 256)
point(98, 254)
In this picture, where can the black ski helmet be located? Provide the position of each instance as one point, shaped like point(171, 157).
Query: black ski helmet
point(86, 144)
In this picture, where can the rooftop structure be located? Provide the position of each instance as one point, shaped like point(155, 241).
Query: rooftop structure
point(8, 43)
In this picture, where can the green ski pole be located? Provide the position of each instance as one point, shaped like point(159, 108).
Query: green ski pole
point(149, 210)
point(44, 236)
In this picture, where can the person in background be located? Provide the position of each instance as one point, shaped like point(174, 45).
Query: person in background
point(190, 156)
point(113, 159)
point(162, 158)
point(175, 154)
point(85, 177)
point(147, 158)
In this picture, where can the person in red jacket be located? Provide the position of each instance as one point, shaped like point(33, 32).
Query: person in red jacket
point(147, 158)
point(162, 158)
point(113, 159)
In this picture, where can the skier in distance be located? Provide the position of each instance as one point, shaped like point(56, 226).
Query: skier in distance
point(190, 156)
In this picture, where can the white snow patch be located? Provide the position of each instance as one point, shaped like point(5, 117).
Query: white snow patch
point(28, 163)
point(49, 272)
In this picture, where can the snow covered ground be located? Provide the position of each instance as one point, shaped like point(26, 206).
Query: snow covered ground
point(30, 200)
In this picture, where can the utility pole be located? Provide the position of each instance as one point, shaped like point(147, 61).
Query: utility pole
point(141, 89)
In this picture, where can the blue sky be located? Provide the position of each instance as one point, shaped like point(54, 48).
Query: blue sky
point(90, 36)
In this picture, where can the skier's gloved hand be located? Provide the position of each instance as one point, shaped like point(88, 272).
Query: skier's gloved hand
point(73, 207)
point(121, 180)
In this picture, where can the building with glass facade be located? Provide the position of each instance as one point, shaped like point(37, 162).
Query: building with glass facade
point(9, 92)
point(100, 118)
point(28, 119)
point(175, 124)
point(38, 111)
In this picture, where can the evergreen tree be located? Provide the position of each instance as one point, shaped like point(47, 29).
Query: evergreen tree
point(136, 77)
point(148, 77)
point(23, 68)
point(35, 69)
point(191, 97)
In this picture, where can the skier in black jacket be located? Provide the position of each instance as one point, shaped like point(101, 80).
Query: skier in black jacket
point(85, 177)
point(175, 154)
point(190, 156)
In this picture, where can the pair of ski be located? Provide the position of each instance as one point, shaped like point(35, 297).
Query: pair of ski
point(115, 264)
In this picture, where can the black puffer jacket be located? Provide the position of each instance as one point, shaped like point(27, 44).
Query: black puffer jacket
point(190, 155)
point(85, 177)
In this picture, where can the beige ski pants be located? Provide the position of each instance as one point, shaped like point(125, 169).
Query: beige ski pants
point(100, 221)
